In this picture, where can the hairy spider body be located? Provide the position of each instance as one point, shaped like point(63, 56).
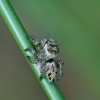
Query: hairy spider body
point(50, 69)
point(52, 72)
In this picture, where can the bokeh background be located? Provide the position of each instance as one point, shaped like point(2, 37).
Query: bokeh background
point(75, 24)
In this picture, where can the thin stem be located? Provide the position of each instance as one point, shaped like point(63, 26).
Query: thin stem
point(19, 35)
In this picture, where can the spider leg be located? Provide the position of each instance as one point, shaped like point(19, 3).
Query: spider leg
point(34, 40)
point(41, 76)
point(31, 50)
point(60, 64)
point(31, 60)
point(42, 71)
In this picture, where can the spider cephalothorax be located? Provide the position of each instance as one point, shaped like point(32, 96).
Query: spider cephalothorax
point(45, 49)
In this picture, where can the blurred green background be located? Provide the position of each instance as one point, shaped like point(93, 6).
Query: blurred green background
point(75, 24)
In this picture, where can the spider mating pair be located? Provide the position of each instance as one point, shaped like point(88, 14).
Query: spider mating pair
point(47, 51)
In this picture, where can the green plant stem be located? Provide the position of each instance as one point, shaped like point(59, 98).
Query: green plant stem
point(19, 35)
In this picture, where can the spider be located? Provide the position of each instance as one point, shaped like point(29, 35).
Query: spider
point(46, 51)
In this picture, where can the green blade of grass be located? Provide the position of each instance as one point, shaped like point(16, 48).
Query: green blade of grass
point(19, 35)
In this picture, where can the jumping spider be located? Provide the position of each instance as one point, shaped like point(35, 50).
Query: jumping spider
point(47, 51)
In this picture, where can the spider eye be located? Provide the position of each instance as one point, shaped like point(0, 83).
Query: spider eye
point(49, 74)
